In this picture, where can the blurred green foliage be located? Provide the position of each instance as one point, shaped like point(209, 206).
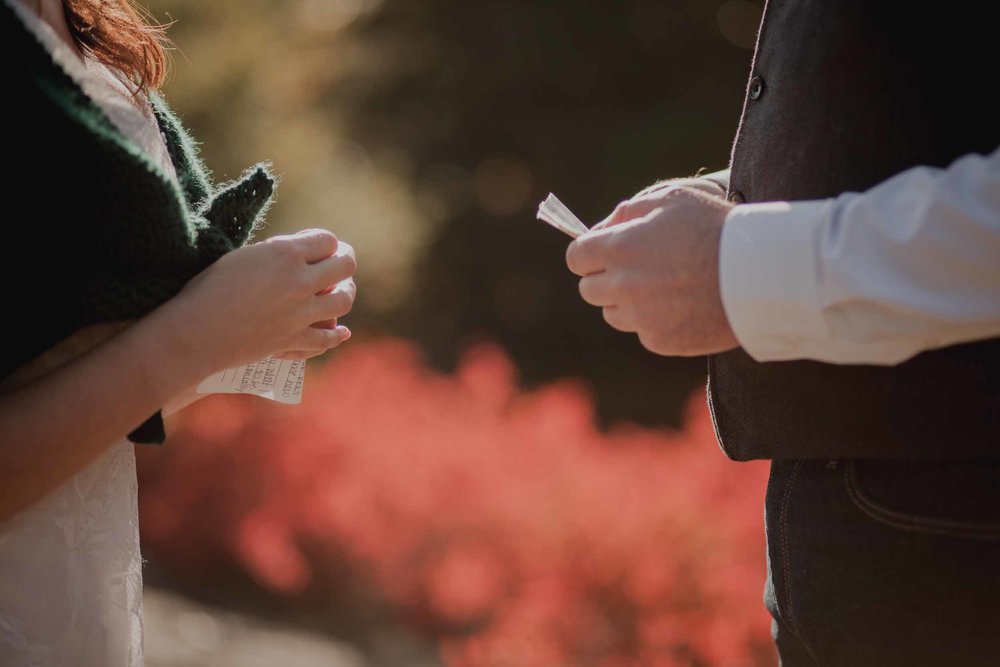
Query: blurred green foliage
point(425, 133)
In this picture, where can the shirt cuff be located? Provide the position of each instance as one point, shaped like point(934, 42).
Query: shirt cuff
point(769, 277)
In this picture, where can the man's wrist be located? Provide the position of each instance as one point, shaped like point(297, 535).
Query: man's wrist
point(768, 277)
point(715, 183)
point(719, 178)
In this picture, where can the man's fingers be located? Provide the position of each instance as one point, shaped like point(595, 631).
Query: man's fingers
point(599, 289)
point(596, 250)
point(616, 216)
point(588, 254)
point(619, 318)
point(655, 197)
point(657, 187)
point(630, 210)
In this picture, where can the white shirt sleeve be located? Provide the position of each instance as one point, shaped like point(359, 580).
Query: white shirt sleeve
point(868, 278)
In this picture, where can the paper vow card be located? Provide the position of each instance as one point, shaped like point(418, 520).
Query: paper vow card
point(556, 214)
point(275, 379)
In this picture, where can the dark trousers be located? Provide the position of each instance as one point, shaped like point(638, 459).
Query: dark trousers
point(884, 563)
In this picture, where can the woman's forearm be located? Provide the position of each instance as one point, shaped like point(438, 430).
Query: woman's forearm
point(254, 301)
point(55, 425)
point(181, 401)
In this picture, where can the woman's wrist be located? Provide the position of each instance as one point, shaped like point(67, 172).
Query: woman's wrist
point(174, 357)
point(181, 401)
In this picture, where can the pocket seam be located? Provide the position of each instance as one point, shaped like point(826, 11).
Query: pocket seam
point(914, 522)
point(786, 608)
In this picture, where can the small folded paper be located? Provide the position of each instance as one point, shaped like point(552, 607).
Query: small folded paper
point(556, 214)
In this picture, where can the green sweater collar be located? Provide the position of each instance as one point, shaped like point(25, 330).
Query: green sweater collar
point(65, 91)
point(122, 236)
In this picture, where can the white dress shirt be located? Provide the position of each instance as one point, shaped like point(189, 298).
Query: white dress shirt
point(868, 278)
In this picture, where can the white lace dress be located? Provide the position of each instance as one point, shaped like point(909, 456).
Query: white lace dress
point(70, 567)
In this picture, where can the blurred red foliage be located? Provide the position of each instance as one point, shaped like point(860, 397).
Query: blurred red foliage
point(502, 522)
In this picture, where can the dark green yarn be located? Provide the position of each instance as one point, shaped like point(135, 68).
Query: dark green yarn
point(106, 234)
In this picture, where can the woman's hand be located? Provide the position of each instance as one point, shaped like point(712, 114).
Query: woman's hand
point(273, 297)
point(351, 289)
point(251, 303)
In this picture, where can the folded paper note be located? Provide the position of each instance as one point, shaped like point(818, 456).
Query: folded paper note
point(556, 214)
point(275, 379)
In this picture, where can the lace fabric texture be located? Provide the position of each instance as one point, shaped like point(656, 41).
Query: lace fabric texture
point(70, 564)
point(71, 572)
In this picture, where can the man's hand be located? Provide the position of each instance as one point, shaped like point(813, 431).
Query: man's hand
point(653, 266)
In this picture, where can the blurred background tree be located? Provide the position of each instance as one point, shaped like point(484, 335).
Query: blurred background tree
point(425, 133)
point(476, 517)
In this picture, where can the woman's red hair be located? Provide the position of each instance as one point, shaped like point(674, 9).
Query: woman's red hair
point(117, 33)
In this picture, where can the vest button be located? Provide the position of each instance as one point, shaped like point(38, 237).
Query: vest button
point(736, 197)
point(756, 87)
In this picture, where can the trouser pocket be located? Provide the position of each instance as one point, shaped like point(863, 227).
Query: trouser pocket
point(958, 499)
point(886, 563)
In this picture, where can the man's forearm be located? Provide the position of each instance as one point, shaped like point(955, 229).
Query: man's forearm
point(870, 278)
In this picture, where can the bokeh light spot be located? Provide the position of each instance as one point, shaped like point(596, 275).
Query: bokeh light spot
point(502, 185)
point(738, 22)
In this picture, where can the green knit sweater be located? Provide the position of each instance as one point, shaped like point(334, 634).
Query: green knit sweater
point(99, 232)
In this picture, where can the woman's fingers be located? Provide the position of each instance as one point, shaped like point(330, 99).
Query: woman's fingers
point(296, 355)
point(316, 244)
point(334, 269)
point(281, 294)
point(336, 303)
point(321, 337)
point(316, 340)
